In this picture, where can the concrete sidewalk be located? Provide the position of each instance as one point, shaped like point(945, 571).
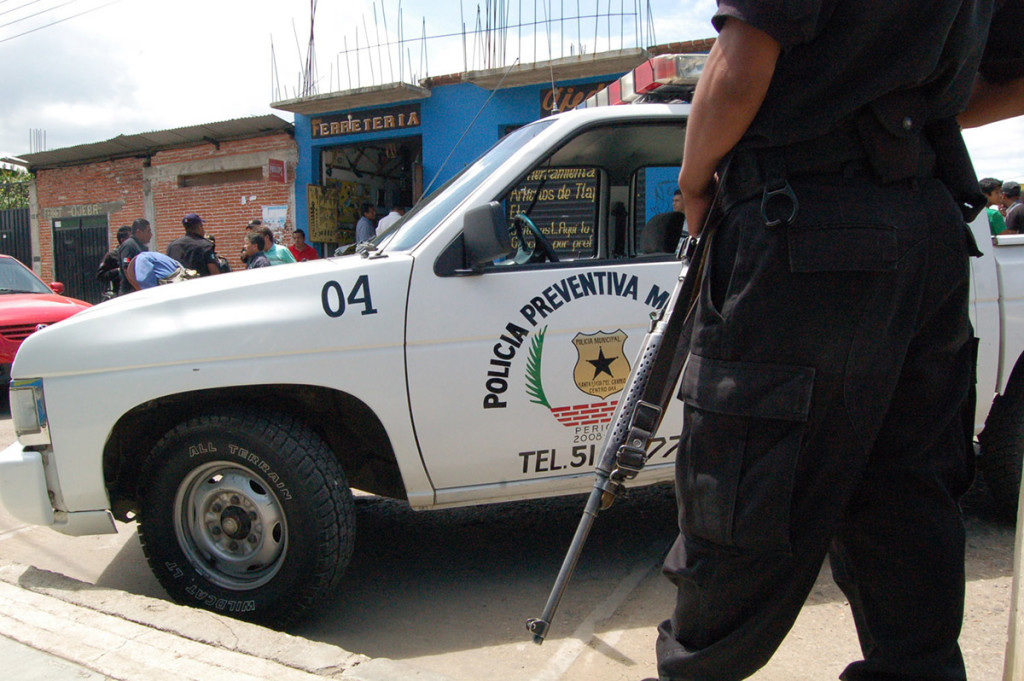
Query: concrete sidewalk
point(53, 627)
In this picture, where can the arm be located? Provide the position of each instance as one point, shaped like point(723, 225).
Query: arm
point(286, 255)
point(991, 102)
point(728, 96)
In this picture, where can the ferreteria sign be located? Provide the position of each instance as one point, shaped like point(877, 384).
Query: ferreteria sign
point(379, 120)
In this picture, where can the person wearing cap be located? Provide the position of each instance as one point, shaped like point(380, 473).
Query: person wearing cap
point(993, 191)
point(300, 249)
point(1014, 208)
point(194, 250)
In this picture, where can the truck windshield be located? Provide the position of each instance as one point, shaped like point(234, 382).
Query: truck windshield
point(430, 210)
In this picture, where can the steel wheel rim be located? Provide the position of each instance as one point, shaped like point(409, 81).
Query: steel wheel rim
point(230, 525)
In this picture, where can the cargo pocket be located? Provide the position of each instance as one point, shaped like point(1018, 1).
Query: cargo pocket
point(744, 427)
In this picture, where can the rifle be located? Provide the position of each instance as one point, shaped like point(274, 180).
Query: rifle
point(637, 416)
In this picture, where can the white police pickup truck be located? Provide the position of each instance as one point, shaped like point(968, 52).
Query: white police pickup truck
point(458, 362)
point(474, 355)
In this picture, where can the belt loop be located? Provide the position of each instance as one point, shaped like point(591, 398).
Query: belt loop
point(776, 188)
point(773, 193)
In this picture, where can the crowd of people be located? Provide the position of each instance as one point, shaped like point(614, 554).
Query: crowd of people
point(1005, 208)
point(131, 266)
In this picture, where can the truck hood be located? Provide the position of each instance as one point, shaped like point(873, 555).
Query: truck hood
point(253, 313)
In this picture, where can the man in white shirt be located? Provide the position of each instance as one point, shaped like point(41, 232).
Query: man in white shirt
point(391, 218)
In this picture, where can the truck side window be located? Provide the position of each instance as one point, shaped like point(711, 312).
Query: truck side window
point(659, 223)
point(594, 196)
point(563, 203)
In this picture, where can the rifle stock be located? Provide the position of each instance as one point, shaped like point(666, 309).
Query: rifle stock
point(634, 423)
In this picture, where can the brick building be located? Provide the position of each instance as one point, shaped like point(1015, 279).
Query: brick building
point(228, 172)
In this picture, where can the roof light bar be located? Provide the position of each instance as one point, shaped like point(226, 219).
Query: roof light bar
point(669, 73)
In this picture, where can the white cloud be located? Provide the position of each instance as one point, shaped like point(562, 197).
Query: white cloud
point(998, 149)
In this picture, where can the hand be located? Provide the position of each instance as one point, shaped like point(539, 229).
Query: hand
point(696, 204)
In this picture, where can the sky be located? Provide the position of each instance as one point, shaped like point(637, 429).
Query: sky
point(81, 71)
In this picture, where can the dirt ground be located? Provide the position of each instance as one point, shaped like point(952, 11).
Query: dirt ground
point(450, 591)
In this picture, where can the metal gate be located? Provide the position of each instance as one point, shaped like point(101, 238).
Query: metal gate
point(16, 235)
point(79, 245)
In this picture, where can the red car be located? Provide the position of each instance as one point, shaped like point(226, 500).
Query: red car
point(26, 305)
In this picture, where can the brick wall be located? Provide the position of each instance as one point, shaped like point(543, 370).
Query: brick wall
point(108, 182)
point(226, 208)
point(126, 189)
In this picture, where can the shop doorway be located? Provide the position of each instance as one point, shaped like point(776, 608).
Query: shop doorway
point(382, 173)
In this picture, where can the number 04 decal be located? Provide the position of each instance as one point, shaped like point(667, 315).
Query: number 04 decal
point(334, 299)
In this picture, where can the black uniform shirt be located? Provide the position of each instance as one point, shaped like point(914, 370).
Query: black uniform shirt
point(125, 252)
point(194, 252)
point(839, 55)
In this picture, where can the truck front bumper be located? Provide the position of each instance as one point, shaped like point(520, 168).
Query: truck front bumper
point(24, 493)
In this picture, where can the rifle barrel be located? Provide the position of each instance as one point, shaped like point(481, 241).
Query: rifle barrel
point(539, 626)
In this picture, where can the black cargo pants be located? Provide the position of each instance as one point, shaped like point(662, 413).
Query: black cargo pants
point(830, 363)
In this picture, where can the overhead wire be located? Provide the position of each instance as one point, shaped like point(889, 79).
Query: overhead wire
point(58, 21)
point(15, 9)
point(44, 11)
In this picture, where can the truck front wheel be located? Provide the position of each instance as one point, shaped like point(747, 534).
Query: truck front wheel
point(1002, 449)
point(246, 514)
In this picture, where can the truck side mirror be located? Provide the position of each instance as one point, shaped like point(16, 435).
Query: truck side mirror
point(485, 234)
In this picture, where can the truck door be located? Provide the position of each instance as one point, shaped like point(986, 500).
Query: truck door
point(514, 373)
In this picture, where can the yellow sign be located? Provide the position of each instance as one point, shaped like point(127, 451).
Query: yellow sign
point(350, 196)
point(323, 204)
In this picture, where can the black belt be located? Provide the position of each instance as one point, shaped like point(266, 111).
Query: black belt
point(749, 172)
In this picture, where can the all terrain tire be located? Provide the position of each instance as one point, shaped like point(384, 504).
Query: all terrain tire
point(247, 514)
point(1002, 451)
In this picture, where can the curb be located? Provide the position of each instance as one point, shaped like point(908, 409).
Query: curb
point(129, 637)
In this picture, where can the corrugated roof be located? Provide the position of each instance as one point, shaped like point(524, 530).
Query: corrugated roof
point(144, 144)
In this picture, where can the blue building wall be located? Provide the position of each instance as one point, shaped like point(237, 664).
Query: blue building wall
point(450, 136)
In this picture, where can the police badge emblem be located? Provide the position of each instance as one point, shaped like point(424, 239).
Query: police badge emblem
point(601, 368)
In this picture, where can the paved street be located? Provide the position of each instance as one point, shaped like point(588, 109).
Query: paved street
point(449, 592)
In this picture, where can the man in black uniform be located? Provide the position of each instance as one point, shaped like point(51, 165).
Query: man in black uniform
point(831, 358)
point(109, 271)
point(194, 250)
point(132, 246)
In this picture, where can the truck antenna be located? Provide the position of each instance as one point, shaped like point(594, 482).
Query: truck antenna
point(469, 127)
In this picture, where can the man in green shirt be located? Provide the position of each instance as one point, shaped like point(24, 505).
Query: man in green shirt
point(993, 191)
point(278, 254)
